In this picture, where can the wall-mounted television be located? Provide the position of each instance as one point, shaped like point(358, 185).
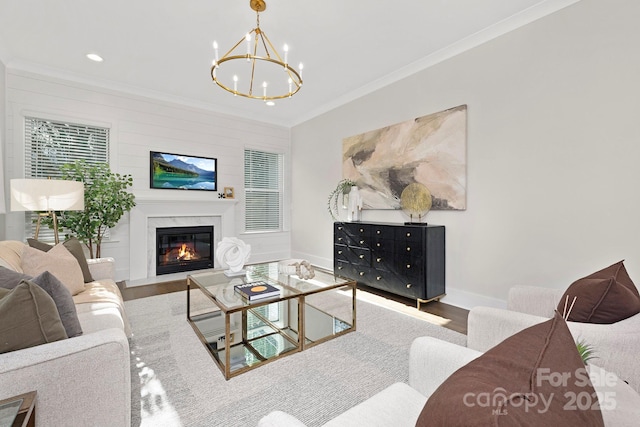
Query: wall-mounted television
point(181, 172)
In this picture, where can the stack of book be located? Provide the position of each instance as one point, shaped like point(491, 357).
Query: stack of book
point(257, 290)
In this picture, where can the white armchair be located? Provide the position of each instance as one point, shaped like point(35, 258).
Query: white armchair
point(616, 346)
point(431, 362)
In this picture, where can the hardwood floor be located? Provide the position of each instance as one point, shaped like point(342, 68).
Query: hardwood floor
point(448, 316)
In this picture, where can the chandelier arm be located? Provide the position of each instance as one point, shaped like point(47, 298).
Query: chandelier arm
point(236, 45)
point(265, 37)
point(295, 77)
point(266, 49)
point(253, 69)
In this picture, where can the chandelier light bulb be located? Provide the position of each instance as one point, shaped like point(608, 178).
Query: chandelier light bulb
point(286, 52)
point(248, 39)
point(300, 67)
point(290, 84)
point(215, 49)
point(235, 84)
point(264, 89)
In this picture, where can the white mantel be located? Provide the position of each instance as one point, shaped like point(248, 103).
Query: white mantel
point(181, 210)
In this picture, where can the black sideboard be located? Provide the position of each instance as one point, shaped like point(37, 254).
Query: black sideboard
point(407, 260)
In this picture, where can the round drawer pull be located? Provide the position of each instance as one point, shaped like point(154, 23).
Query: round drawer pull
point(378, 244)
point(339, 239)
point(408, 234)
point(361, 242)
point(377, 231)
point(362, 273)
point(408, 265)
point(408, 248)
point(408, 285)
point(362, 230)
point(361, 256)
point(340, 267)
point(378, 259)
point(339, 252)
point(379, 278)
point(339, 228)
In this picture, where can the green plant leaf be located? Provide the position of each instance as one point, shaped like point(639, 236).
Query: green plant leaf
point(106, 200)
point(585, 350)
point(343, 187)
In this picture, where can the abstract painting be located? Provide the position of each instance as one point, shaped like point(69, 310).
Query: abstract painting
point(429, 150)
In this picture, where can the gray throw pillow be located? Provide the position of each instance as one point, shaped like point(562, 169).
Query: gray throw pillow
point(74, 246)
point(29, 318)
point(61, 296)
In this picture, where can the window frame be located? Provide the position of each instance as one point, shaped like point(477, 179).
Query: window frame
point(105, 155)
point(280, 191)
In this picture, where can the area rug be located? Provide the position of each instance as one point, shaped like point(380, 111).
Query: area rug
point(176, 383)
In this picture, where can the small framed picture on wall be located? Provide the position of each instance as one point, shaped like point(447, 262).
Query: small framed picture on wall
point(228, 193)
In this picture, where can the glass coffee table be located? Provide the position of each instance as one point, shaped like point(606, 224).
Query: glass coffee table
point(242, 335)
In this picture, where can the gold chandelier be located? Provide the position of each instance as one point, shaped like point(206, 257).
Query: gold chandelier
point(261, 63)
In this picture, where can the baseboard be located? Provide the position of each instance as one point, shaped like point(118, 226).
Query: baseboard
point(468, 300)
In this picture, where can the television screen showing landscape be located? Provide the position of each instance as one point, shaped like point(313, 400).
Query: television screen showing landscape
point(176, 171)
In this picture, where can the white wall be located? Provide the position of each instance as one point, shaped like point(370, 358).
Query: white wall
point(139, 125)
point(552, 153)
point(3, 204)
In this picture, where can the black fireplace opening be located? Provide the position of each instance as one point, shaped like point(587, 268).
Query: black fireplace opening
point(183, 249)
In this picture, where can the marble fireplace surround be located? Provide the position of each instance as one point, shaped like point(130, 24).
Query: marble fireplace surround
point(149, 214)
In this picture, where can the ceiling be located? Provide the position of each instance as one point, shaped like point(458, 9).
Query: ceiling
point(163, 48)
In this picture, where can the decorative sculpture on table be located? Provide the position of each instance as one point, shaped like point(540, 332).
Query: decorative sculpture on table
point(416, 201)
point(301, 267)
point(233, 253)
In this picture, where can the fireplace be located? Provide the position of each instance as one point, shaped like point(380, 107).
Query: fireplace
point(183, 249)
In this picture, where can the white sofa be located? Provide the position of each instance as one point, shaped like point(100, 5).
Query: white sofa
point(84, 380)
point(616, 346)
point(431, 361)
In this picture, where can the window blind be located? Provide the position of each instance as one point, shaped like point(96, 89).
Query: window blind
point(263, 185)
point(50, 144)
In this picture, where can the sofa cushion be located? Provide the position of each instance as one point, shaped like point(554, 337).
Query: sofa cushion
point(532, 378)
point(606, 296)
point(10, 252)
point(74, 246)
point(29, 317)
point(61, 296)
point(58, 261)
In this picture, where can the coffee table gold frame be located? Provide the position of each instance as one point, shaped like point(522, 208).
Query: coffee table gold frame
point(296, 298)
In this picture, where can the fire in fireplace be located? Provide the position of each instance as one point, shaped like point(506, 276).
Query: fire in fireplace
point(183, 249)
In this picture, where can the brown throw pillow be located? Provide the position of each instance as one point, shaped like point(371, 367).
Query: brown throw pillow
point(61, 296)
point(29, 318)
point(74, 246)
point(606, 296)
point(533, 378)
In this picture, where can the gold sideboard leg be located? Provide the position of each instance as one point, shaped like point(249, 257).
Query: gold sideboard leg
point(424, 301)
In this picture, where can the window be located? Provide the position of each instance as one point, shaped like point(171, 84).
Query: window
point(263, 187)
point(50, 144)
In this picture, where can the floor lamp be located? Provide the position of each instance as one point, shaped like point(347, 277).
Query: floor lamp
point(47, 196)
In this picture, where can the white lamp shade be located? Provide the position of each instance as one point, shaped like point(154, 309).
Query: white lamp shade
point(46, 195)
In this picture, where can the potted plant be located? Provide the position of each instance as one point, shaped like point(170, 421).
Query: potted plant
point(342, 189)
point(106, 200)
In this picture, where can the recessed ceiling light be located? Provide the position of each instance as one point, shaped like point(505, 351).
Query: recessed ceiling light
point(94, 57)
point(271, 103)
